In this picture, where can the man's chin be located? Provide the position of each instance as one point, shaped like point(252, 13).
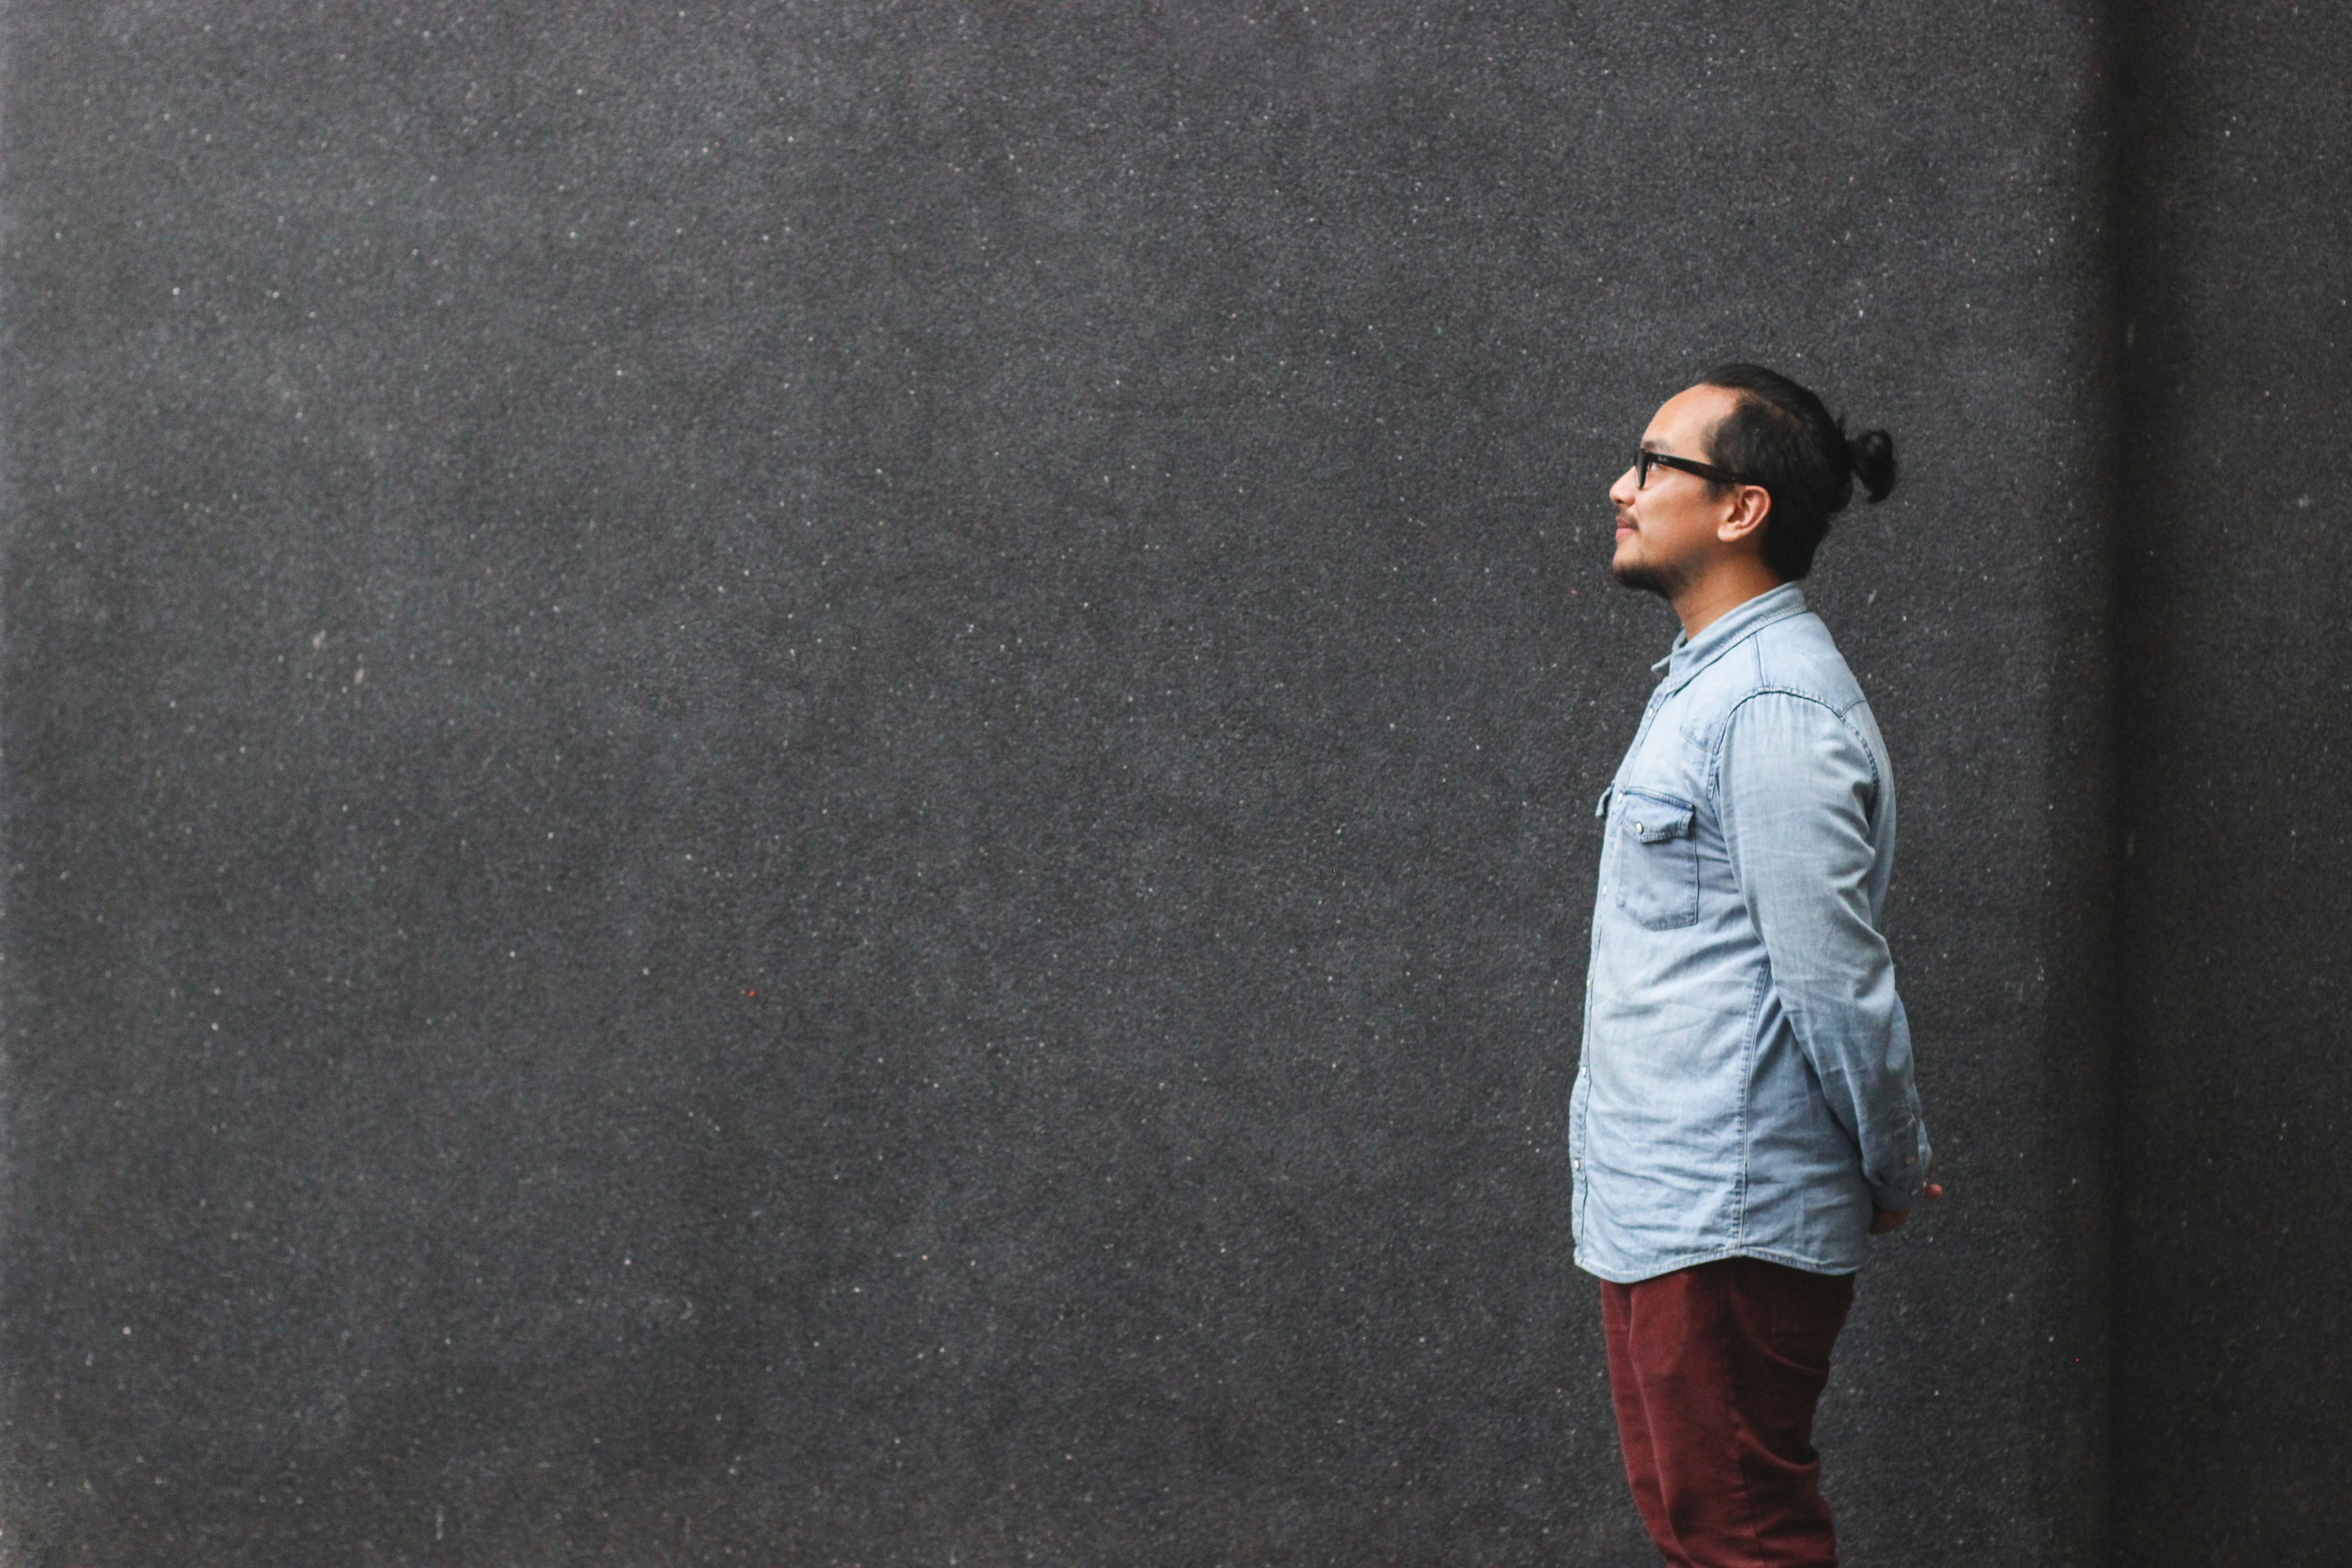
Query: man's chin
point(1646, 578)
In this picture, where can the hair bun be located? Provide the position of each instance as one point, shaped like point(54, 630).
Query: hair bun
point(1873, 456)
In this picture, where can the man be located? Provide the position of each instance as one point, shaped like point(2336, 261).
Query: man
point(1744, 1116)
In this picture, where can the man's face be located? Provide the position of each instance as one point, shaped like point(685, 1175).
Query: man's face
point(1667, 529)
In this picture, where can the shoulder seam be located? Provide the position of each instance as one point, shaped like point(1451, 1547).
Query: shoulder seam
point(1723, 731)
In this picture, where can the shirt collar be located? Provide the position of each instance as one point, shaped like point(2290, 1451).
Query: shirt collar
point(1689, 655)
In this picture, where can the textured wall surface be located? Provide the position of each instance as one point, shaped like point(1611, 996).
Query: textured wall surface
point(2234, 1336)
point(810, 782)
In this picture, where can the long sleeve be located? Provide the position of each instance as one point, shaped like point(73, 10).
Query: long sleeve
point(1798, 796)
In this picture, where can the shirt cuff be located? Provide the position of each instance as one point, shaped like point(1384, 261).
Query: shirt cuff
point(1909, 1183)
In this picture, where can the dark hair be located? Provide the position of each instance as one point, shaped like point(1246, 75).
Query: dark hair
point(1779, 435)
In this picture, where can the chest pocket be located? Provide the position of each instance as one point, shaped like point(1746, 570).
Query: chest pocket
point(1658, 859)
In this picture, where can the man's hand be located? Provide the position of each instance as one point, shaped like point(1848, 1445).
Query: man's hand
point(1883, 1220)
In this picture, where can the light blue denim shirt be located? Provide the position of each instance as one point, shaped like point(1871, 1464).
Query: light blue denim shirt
point(1746, 1084)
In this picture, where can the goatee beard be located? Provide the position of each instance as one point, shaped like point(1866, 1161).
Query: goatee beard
point(1647, 579)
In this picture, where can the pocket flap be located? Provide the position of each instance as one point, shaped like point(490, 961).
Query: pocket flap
point(1652, 820)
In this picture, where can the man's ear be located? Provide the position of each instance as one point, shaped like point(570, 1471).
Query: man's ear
point(1749, 510)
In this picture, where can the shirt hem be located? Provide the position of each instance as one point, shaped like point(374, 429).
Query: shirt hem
point(1634, 1273)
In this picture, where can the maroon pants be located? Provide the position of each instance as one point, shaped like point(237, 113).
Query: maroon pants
point(1714, 1372)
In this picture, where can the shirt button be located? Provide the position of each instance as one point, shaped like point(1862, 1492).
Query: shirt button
point(1910, 1159)
point(1637, 827)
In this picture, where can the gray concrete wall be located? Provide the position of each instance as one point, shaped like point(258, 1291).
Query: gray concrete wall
point(810, 782)
point(2233, 1337)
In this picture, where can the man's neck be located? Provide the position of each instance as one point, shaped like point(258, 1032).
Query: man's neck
point(1731, 585)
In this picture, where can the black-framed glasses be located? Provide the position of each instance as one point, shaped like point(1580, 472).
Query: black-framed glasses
point(1645, 459)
